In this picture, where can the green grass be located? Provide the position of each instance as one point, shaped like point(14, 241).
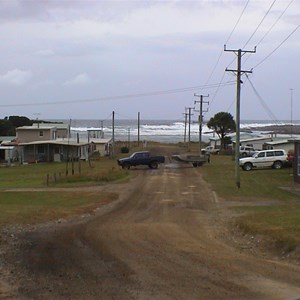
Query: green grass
point(61, 174)
point(262, 183)
point(280, 222)
point(274, 212)
point(35, 207)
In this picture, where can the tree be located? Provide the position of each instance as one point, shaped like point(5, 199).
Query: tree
point(5, 128)
point(8, 125)
point(222, 123)
point(18, 121)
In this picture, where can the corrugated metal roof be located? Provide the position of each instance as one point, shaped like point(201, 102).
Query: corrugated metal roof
point(100, 141)
point(40, 126)
point(66, 142)
point(279, 142)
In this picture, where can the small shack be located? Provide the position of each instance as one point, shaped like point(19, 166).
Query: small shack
point(8, 154)
point(102, 146)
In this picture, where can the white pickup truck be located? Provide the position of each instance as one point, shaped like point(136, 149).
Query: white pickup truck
point(210, 150)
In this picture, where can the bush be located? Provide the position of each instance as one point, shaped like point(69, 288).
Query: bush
point(124, 149)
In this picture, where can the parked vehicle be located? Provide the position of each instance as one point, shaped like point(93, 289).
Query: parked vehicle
point(290, 157)
point(247, 151)
point(276, 159)
point(141, 158)
point(210, 150)
point(195, 160)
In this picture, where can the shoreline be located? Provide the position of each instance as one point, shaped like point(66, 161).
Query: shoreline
point(280, 129)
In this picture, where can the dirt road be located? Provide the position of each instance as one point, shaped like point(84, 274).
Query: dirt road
point(166, 238)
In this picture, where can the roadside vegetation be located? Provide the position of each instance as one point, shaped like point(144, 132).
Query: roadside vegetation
point(266, 204)
point(31, 206)
point(61, 174)
point(40, 206)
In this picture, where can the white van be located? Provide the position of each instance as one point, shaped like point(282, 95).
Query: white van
point(276, 158)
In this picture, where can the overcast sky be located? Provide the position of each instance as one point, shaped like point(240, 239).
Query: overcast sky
point(85, 59)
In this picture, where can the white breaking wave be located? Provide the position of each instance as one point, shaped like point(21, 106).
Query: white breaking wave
point(161, 130)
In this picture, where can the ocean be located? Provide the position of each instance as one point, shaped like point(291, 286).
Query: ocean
point(168, 131)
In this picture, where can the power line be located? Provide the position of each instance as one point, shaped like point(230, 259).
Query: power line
point(257, 27)
point(221, 53)
point(272, 26)
point(237, 22)
point(146, 94)
point(272, 52)
point(263, 103)
point(260, 23)
point(218, 88)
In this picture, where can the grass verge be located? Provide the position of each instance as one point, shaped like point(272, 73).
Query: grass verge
point(61, 174)
point(41, 206)
point(35, 207)
point(264, 208)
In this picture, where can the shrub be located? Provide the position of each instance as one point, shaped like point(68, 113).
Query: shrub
point(124, 149)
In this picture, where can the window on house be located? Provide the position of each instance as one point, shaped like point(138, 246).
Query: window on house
point(41, 149)
point(41, 133)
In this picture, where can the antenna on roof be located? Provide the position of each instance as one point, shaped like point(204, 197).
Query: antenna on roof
point(37, 119)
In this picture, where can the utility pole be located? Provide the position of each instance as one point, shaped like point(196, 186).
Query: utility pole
point(128, 138)
point(138, 128)
point(200, 116)
point(189, 132)
point(102, 132)
point(185, 122)
point(113, 134)
point(292, 90)
point(238, 73)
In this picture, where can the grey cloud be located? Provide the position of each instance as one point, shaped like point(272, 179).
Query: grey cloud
point(57, 10)
point(16, 77)
point(80, 79)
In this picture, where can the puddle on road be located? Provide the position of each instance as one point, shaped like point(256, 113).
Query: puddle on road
point(189, 193)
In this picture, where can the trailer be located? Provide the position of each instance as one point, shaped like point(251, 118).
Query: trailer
point(195, 160)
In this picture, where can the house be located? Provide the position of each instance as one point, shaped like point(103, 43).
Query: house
point(95, 134)
point(246, 138)
point(7, 154)
point(285, 144)
point(98, 144)
point(41, 132)
point(53, 151)
point(8, 149)
point(253, 140)
point(49, 142)
point(102, 146)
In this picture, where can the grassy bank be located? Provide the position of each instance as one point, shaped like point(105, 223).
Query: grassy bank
point(28, 207)
point(264, 208)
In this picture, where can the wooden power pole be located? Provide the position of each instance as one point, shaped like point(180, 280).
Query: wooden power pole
point(200, 116)
point(238, 73)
